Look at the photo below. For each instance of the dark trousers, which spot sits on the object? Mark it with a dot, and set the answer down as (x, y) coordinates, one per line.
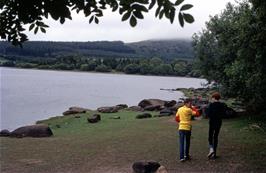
(214, 129)
(184, 143)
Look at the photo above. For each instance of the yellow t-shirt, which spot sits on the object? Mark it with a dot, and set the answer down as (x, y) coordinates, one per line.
(185, 114)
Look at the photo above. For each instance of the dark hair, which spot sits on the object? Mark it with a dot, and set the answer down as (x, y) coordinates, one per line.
(187, 100)
(216, 96)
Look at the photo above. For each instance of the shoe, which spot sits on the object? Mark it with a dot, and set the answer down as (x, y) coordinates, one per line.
(182, 160)
(211, 153)
(188, 157)
(214, 156)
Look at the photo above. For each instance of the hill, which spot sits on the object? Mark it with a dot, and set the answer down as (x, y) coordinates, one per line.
(181, 49)
(152, 48)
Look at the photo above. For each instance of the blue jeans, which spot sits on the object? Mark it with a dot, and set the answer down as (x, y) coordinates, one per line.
(184, 143)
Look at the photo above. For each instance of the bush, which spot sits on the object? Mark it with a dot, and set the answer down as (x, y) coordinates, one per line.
(62, 66)
(103, 68)
(8, 64)
(131, 69)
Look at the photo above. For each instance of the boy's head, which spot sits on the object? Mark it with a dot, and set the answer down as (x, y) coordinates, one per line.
(216, 96)
(188, 102)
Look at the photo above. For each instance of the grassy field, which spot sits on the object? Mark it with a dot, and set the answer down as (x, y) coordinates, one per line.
(112, 146)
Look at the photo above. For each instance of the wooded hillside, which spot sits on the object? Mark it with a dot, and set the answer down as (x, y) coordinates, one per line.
(169, 49)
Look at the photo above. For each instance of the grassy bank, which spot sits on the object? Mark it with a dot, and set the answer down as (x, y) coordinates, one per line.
(114, 145)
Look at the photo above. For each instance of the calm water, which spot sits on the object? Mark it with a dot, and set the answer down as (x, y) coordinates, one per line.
(31, 95)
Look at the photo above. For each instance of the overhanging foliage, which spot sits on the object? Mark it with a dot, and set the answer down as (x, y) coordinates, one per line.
(15, 14)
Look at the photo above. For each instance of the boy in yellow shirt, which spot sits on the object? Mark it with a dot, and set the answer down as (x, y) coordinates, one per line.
(184, 115)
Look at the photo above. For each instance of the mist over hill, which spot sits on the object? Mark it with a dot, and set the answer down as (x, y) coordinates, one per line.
(165, 49)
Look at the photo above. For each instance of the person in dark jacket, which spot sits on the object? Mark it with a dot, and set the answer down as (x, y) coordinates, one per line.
(216, 111)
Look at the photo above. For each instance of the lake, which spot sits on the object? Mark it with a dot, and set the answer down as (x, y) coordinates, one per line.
(30, 95)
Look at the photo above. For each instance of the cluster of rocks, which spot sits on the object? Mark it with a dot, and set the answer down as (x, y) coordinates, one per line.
(38, 130)
(165, 108)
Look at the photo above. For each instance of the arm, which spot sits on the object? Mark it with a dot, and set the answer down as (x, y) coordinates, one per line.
(195, 111)
(177, 119)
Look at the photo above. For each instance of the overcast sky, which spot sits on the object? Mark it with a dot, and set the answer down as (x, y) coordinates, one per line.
(111, 28)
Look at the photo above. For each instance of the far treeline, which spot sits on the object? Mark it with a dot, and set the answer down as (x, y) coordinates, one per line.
(169, 57)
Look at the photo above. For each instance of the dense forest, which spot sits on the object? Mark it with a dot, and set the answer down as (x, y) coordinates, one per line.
(170, 49)
(155, 57)
(232, 52)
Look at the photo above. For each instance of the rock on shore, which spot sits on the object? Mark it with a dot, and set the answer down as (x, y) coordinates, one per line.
(39, 130)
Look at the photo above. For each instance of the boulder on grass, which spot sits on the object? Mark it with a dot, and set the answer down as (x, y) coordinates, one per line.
(75, 110)
(230, 113)
(170, 103)
(94, 118)
(166, 112)
(153, 108)
(176, 106)
(145, 167)
(39, 130)
(110, 109)
(135, 108)
(144, 115)
(152, 102)
(122, 106)
(4, 133)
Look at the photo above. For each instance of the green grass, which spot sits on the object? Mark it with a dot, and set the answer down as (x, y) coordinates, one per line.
(114, 145)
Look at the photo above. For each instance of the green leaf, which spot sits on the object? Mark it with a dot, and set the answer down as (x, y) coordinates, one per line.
(158, 11)
(142, 1)
(36, 30)
(99, 14)
(172, 15)
(62, 20)
(133, 21)
(46, 26)
(96, 20)
(161, 14)
(46, 15)
(43, 30)
(139, 7)
(121, 11)
(181, 20)
(126, 16)
(91, 19)
(186, 7)
(178, 2)
(87, 10)
(138, 14)
(167, 15)
(188, 18)
(38, 23)
(31, 26)
(114, 7)
(152, 4)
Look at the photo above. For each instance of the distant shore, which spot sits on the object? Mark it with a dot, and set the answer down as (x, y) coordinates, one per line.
(94, 72)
